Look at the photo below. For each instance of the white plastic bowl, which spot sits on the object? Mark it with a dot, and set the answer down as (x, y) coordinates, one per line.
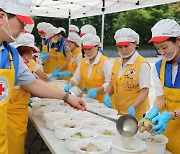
(60, 128)
(157, 148)
(51, 117)
(70, 137)
(90, 100)
(35, 108)
(82, 115)
(105, 147)
(127, 146)
(106, 133)
(107, 112)
(94, 123)
(95, 106)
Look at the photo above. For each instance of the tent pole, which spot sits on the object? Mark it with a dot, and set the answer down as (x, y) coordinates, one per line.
(102, 28)
(69, 19)
(102, 31)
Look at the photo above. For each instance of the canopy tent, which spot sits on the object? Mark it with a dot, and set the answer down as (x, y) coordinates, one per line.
(74, 9)
(82, 8)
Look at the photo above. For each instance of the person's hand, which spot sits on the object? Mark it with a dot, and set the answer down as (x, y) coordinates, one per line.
(107, 100)
(68, 87)
(83, 89)
(92, 93)
(131, 110)
(161, 120)
(43, 56)
(152, 113)
(76, 102)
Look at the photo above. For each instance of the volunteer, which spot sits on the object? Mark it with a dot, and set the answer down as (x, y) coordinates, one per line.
(63, 53)
(13, 17)
(73, 29)
(166, 79)
(74, 45)
(46, 44)
(25, 44)
(89, 29)
(130, 77)
(94, 70)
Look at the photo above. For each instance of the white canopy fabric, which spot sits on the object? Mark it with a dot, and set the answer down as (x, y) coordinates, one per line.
(74, 9)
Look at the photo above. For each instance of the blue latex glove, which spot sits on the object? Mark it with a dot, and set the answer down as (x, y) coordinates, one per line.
(107, 100)
(161, 120)
(43, 56)
(152, 113)
(131, 110)
(83, 89)
(55, 70)
(92, 93)
(61, 74)
(30, 102)
(68, 87)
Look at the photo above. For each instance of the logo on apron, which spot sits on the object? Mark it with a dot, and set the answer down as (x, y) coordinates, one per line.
(131, 72)
(4, 89)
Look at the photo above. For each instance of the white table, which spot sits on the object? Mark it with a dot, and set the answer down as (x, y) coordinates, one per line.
(55, 145)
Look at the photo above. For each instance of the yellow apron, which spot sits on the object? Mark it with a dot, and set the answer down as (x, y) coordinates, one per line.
(172, 96)
(96, 79)
(52, 60)
(32, 64)
(126, 88)
(6, 87)
(17, 110)
(47, 63)
(72, 65)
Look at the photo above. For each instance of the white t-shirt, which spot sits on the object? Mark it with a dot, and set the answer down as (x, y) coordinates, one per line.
(144, 78)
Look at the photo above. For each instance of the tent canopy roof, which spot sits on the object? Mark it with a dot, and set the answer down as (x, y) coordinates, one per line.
(83, 8)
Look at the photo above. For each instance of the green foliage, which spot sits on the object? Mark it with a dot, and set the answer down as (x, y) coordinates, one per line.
(140, 20)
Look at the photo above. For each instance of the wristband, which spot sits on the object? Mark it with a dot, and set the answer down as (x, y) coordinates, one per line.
(66, 96)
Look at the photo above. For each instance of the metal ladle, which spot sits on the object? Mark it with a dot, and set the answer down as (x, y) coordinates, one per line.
(126, 125)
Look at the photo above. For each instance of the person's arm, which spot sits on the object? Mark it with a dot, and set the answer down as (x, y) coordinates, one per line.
(42, 75)
(143, 94)
(107, 75)
(144, 80)
(42, 89)
(68, 59)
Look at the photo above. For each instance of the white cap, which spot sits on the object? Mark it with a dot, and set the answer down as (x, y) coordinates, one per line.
(60, 29)
(87, 29)
(51, 31)
(164, 29)
(74, 37)
(73, 28)
(20, 8)
(29, 28)
(125, 36)
(89, 41)
(25, 39)
(40, 25)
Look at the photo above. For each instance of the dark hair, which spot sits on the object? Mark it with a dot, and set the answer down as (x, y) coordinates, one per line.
(9, 15)
(172, 39)
(24, 49)
(62, 33)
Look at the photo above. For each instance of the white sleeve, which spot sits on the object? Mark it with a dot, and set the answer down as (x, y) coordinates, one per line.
(37, 67)
(157, 82)
(76, 76)
(107, 73)
(78, 59)
(144, 76)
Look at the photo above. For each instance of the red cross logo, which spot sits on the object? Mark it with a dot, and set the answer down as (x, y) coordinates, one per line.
(132, 72)
(1, 89)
